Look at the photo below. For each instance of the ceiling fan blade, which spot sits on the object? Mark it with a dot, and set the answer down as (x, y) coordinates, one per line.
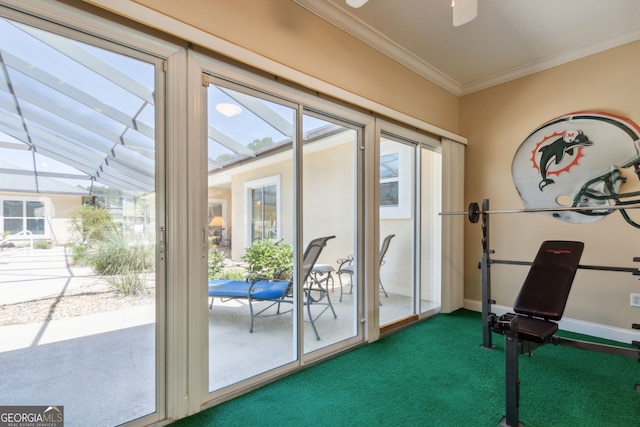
(464, 11)
(356, 3)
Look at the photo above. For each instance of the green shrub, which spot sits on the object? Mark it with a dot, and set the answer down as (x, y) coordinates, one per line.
(232, 274)
(121, 264)
(128, 283)
(79, 254)
(89, 223)
(42, 244)
(269, 259)
(215, 263)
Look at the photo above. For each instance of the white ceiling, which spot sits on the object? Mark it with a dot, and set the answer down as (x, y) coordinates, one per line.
(507, 40)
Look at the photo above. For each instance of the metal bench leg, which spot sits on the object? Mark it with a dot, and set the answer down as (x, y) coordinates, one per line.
(512, 381)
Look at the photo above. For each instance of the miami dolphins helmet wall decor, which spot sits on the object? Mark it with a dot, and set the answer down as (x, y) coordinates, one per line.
(584, 159)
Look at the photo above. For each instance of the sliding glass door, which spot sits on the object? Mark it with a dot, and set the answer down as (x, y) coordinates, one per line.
(250, 139)
(430, 229)
(79, 213)
(282, 213)
(397, 224)
(409, 226)
(330, 207)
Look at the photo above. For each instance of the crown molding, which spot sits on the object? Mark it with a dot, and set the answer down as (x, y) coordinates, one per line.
(352, 25)
(554, 60)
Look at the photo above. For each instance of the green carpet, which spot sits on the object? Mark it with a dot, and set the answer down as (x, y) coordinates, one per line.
(436, 374)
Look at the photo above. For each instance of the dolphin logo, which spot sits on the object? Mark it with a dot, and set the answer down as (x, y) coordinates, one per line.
(554, 153)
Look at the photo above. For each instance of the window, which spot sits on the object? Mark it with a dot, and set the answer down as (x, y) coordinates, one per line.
(263, 209)
(396, 186)
(23, 215)
(389, 180)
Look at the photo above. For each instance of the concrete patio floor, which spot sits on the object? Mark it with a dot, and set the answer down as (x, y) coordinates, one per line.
(99, 366)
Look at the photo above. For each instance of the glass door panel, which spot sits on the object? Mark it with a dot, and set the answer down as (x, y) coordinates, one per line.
(329, 189)
(430, 229)
(397, 219)
(250, 141)
(78, 272)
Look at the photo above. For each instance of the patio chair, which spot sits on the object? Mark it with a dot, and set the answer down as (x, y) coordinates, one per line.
(279, 290)
(348, 266)
(316, 290)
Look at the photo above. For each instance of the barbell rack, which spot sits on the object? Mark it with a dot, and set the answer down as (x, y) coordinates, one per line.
(474, 213)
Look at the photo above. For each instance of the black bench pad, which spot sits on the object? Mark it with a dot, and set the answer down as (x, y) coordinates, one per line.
(536, 330)
(546, 289)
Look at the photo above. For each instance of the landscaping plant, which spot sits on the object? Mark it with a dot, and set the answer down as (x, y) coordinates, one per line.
(269, 259)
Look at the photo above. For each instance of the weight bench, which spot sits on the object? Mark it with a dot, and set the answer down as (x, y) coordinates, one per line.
(539, 304)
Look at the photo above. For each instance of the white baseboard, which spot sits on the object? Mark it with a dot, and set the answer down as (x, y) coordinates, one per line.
(571, 325)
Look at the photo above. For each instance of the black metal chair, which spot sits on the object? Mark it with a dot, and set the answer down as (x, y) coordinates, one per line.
(316, 291)
(348, 266)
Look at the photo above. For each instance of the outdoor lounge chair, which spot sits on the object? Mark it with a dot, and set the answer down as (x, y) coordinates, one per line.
(348, 266)
(316, 291)
(279, 291)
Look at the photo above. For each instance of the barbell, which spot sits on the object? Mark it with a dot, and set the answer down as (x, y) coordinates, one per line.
(474, 211)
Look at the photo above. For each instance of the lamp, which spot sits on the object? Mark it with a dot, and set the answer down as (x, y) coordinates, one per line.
(217, 221)
(217, 224)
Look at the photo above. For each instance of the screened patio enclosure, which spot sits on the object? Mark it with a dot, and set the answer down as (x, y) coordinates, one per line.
(75, 120)
(77, 127)
(73, 112)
